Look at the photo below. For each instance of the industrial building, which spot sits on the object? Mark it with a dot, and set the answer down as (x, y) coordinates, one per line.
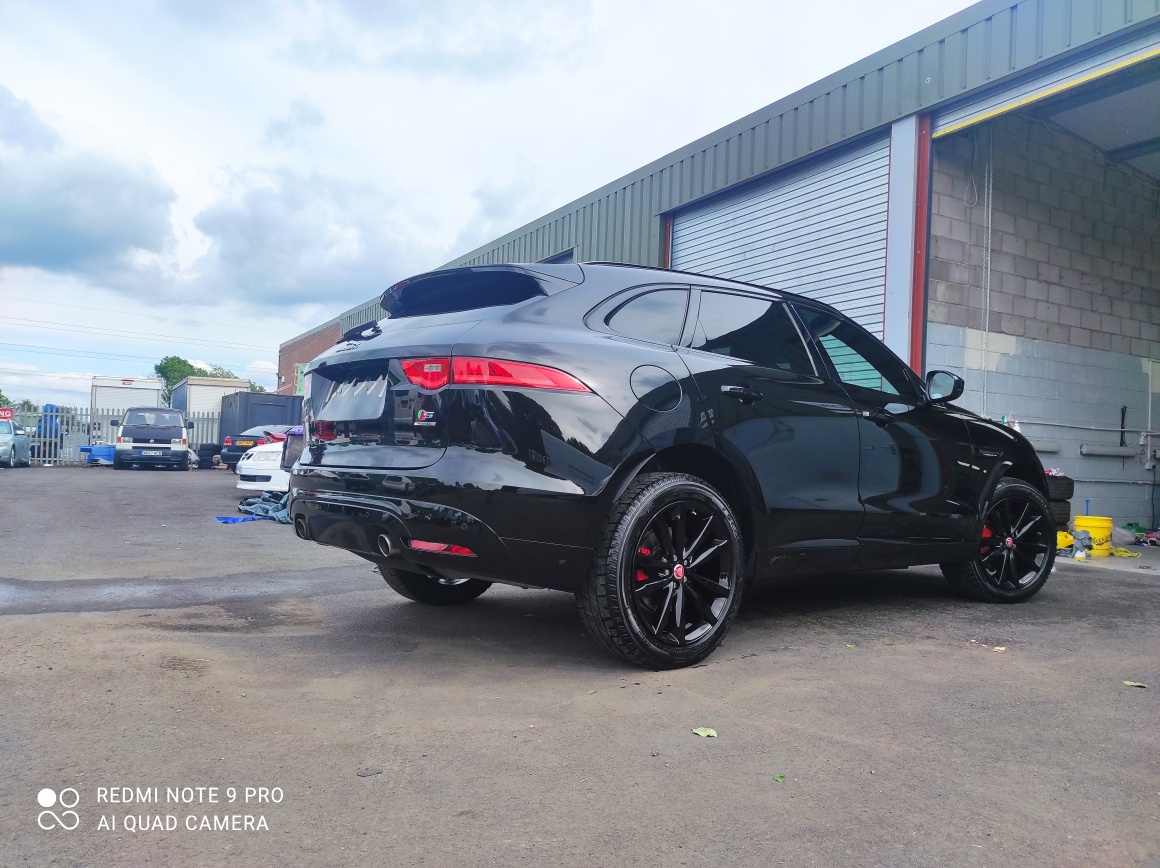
(983, 195)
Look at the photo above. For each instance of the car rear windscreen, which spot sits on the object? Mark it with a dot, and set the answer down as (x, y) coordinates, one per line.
(455, 292)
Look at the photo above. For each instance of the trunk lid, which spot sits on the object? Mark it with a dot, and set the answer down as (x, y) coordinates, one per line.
(360, 408)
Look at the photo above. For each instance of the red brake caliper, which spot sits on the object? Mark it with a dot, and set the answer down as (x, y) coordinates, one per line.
(640, 574)
(986, 536)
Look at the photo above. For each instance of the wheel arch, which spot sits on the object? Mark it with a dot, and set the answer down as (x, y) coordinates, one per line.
(1029, 471)
(707, 464)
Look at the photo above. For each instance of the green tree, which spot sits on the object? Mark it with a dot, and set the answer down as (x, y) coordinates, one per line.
(174, 369)
(254, 387)
(4, 402)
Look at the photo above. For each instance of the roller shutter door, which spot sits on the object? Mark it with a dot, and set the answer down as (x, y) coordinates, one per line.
(819, 232)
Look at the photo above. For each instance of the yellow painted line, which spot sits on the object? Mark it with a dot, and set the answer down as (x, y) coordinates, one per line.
(1050, 92)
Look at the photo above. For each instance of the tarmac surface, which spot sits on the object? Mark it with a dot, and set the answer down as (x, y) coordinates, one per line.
(868, 719)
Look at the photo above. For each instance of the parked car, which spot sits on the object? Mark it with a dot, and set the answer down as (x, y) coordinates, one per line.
(650, 441)
(152, 437)
(15, 444)
(260, 469)
(234, 446)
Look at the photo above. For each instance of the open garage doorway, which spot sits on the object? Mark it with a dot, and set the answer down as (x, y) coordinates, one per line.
(1044, 275)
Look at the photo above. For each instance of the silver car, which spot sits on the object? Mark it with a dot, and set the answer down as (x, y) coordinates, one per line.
(14, 445)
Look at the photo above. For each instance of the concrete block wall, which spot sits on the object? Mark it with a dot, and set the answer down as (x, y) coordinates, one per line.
(1061, 397)
(301, 350)
(1075, 240)
(1074, 296)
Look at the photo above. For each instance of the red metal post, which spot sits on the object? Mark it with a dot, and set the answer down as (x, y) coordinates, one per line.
(921, 245)
(667, 241)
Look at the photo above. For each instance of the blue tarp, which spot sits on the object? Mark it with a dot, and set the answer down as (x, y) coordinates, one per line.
(270, 505)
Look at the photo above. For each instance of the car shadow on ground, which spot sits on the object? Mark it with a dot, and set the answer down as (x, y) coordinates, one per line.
(541, 628)
(824, 592)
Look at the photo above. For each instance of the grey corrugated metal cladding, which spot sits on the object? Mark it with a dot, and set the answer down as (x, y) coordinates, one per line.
(967, 52)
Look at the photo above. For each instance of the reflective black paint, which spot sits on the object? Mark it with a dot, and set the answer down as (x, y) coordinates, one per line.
(526, 478)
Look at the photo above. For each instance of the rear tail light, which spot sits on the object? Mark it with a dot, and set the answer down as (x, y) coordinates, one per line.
(497, 372)
(323, 431)
(441, 548)
(261, 441)
(229, 441)
(437, 373)
(428, 373)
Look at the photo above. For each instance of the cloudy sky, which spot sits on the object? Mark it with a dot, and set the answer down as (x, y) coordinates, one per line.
(210, 178)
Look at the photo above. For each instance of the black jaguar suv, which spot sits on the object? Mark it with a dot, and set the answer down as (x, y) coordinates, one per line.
(650, 441)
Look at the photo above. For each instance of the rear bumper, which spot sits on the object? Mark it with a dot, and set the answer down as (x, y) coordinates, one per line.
(137, 455)
(233, 454)
(537, 539)
(249, 481)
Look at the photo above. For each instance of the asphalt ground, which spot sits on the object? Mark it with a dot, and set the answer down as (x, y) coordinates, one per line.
(871, 719)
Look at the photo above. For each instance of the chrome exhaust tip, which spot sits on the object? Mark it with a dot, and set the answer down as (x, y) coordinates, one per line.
(386, 545)
(300, 529)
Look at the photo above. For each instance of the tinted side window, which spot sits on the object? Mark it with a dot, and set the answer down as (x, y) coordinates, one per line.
(860, 360)
(655, 316)
(753, 329)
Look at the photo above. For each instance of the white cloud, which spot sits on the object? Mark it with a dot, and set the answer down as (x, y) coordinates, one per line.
(303, 117)
(484, 39)
(283, 238)
(210, 178)
(66, 388)
(80, 213)
(22, 127)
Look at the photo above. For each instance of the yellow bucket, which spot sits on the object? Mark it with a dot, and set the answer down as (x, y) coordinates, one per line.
(1100, 527)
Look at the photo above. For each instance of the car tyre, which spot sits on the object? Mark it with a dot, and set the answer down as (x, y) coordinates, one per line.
(1016, 548)
(1060, 488)
(431, 591)
(667, 578)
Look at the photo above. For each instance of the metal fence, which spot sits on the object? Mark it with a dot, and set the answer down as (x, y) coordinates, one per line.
(58, 435)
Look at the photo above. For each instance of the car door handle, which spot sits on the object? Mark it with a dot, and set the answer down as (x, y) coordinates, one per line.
(878, 416)
(744, 394)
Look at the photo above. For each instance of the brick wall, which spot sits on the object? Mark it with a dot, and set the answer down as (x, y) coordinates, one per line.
(1075, 240)
(1075, 298)
(303, 350)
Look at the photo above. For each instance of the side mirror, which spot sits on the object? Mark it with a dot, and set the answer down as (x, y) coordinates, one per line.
(189, 425)
(114, 423)
(943, 386)
(18, 431)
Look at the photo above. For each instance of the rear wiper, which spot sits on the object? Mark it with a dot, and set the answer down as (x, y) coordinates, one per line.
(363, 332)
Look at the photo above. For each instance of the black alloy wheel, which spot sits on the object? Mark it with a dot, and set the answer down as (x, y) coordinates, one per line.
(667, 579)
(1016, 548)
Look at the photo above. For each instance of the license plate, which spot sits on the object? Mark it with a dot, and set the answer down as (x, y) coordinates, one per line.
(244, 442)
(151, 452)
